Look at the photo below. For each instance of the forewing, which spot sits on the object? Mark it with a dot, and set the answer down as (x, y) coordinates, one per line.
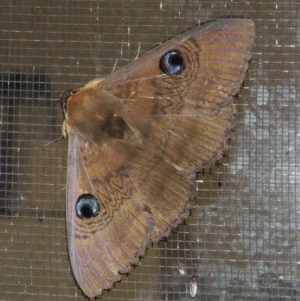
(187, 117)
(215, 59)
(103, 246)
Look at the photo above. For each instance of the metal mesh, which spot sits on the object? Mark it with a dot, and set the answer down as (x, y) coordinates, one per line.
(241, 240)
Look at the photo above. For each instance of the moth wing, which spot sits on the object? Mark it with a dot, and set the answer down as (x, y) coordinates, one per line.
(185, 120)
(215, 58)
(187, 116)
(102, 247)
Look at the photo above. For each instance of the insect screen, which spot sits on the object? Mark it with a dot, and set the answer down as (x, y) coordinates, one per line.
(240, 241)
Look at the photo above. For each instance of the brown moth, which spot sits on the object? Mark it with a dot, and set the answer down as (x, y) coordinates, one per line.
(137, 139)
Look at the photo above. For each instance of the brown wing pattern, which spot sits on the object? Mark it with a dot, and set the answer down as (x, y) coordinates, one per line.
(102, 247)
(136, 139)
(216, 58)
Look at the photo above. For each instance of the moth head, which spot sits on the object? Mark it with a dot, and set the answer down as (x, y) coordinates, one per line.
(64, 97)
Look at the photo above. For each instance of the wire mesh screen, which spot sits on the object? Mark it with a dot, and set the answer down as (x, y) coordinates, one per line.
(241, 239)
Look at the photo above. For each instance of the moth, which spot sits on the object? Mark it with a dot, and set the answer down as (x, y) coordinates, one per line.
(136, 140)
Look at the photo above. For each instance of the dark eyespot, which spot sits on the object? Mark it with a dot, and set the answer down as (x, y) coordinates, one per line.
(87, 206)
(172, 62)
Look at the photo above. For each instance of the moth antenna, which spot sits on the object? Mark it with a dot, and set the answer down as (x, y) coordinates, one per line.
(54, 141)
(115, 65)
(136, 57)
